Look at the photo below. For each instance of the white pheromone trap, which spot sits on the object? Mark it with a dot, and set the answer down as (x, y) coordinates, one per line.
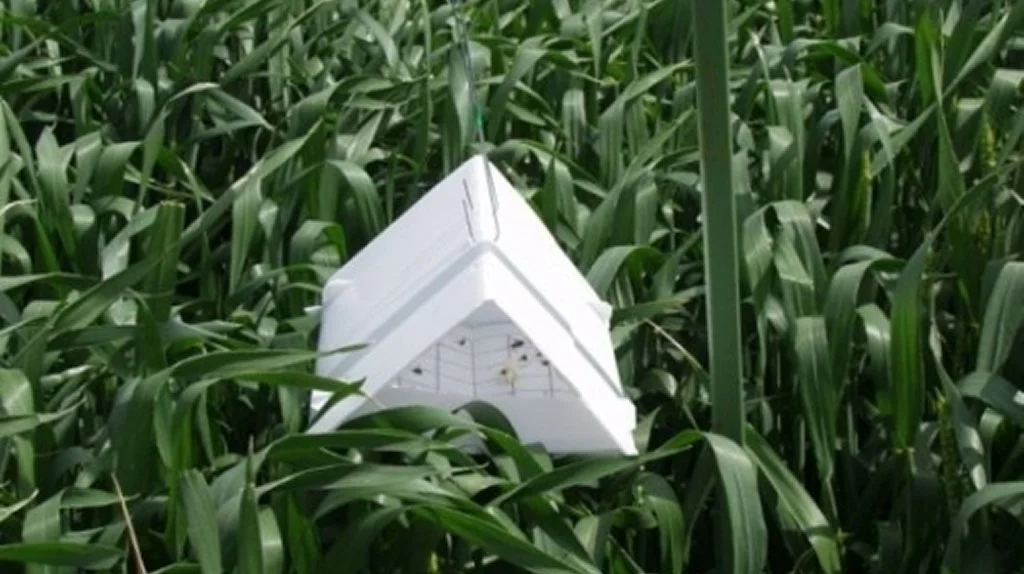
(467, 297)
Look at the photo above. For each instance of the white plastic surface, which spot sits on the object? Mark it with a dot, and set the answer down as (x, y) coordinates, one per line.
(463, 298)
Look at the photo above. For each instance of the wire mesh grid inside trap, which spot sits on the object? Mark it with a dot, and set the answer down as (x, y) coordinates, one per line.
(485, 361)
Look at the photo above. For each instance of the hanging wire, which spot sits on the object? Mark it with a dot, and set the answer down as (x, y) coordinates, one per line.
(462, 30)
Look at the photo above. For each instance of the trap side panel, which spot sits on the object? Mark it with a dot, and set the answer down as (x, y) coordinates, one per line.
(397, 342)
(484, 357)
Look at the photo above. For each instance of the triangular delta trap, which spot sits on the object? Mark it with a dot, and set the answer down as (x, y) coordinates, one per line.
(467, 297)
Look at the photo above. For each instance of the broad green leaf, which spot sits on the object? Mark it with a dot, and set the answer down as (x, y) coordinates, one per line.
(359, 184)
(485, 531)
(795, 501)
(267, 165)
(748, 537)
(252, 362)
(527, 55)
(660, 496)
(996, 392)
(94, 302)
(54, 198)
(201, 515)
(1004, 316)
(8, 511)
(108, 177)
(250, 543)
(353, 546)
(244, 224)
(977, 501)
(587, 471)
(135, 458)
(841, 304)
(992, 43)
(850, 96)
(17, 398)
(42, 526)
(271, 545)
(907, 392)
(970, 445)
(906, 384)
(83, 556)
(261, 53)
(721, 233)
(609, 264)
(19, 424)
(819, 393)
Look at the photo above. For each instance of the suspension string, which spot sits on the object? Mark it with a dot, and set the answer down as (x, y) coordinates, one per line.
(462, 27)
(461, 21)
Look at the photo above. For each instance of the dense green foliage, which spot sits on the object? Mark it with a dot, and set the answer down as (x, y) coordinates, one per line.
(178, 178)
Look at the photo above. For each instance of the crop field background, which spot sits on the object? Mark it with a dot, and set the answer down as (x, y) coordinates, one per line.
(179, 177)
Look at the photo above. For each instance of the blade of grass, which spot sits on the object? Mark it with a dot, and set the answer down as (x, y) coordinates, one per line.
(721, 254)
(202, 521)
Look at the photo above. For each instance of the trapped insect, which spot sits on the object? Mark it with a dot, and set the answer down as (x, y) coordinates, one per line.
(509, 372)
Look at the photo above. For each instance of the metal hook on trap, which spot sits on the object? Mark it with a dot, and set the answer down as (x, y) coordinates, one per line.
(467, 201)
(468, 206)
(494, 198)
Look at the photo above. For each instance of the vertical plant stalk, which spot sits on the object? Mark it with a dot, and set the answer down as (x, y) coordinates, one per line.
(721, 253)
(721, 268)
(133, 540)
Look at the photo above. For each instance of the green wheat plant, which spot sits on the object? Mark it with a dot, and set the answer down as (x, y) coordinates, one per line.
(808, 216)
